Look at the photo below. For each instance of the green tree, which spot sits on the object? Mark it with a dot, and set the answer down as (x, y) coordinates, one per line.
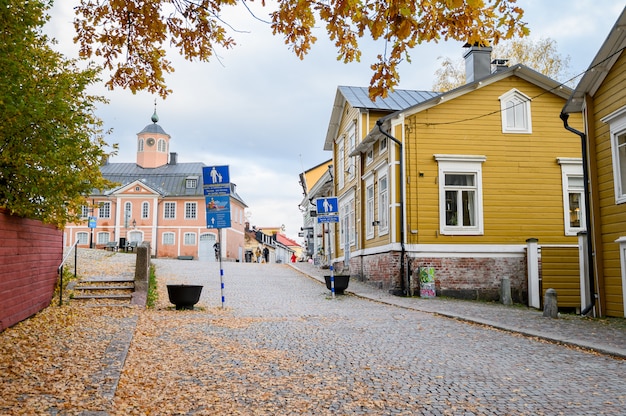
(541, 55)
(51, 144)
(129, 35)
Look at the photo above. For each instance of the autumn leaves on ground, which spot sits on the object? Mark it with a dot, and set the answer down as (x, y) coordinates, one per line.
(179, 362)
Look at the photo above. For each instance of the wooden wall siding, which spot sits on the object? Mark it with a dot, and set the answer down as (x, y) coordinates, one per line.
(522, 190)
(560, 271)
(610, 97)
(29, 256)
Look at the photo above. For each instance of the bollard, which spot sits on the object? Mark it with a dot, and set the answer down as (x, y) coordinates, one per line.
(505, 291)
(550, 307)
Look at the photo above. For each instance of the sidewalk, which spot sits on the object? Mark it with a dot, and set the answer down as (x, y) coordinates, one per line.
(606, 336)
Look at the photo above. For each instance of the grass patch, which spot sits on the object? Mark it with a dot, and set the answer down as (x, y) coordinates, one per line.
(153, 294)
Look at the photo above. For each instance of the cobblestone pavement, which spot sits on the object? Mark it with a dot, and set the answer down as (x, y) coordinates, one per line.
(401, 356)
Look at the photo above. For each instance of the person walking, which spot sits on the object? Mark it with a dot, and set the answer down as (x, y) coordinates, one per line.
(266, 254)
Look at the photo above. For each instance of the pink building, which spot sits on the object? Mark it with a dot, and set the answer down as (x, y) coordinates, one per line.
(160, 201)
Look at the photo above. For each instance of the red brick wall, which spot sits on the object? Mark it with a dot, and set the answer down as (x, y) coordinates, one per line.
(30, 253)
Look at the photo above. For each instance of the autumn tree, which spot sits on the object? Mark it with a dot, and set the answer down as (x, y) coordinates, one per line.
(541, 55)
(130, 36)
(50, 141)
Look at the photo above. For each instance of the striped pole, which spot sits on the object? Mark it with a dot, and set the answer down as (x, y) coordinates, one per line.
(332, 281)
(219, 236)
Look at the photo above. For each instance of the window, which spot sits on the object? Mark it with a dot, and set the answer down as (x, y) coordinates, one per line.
(382, 148)
(189, 239)
(383, 204)
(341, 166)
(82, 238)
(104, 210)
(145, 210)
(617, 124)
(128, 209)
(169, 210)
(168, 239)
(573, 194)
(103, 238)
(515, 112)
(162, 146)
(140, 145)
(190, 210)
(369, 209)
(84, 211)
(460, 194)
(191, 183)
(347, 229)
(369, 157)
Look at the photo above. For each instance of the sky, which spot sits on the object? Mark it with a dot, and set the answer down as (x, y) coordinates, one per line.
(264, 112)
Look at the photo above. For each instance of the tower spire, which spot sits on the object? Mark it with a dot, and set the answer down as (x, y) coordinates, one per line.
(154, 117)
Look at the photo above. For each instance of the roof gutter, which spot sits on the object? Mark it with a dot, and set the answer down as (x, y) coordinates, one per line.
(404, 285)
(590, 261)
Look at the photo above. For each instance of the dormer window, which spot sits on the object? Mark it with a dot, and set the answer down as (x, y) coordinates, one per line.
(515, 112)
(191, 182)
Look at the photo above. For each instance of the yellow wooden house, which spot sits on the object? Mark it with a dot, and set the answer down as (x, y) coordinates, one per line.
(458, 182)
(601, 98)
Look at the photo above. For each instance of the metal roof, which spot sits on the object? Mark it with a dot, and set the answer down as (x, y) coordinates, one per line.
(358, 97)
(168, 180)
(153, 128)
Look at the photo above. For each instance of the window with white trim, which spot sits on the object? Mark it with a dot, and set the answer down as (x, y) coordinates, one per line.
(383, 203)
(82, 238)
(140, 145)
(573, 194)
(369, 157)
(103, 237)
(168, 239)
(104, 210)
(369, 208)
(145, 210)
(189, 239)
(347, 229)
(383, 145)
(617, 125)
(460, 194)
(169, 210)
(515, 112)
(341, 164)
(191, 183)
(191, 210)
(162, 146)
(128, 209)
(84, 211)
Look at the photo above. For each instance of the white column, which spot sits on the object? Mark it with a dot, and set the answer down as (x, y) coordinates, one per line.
(532, 258)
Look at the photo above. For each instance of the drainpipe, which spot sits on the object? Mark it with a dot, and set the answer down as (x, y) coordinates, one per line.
(590, 261)
(404, 285)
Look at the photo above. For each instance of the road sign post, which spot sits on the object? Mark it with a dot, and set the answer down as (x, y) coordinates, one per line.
(327, 213)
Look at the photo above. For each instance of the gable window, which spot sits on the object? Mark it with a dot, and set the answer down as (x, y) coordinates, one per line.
(383, 203)
(169, 210)
(145, 210)
(82, 238)
(573, 194)
(617, 124)
(191, 210)
(168, 239)
(515, 112)
(460, 194)
(369, 208)
(104, 210)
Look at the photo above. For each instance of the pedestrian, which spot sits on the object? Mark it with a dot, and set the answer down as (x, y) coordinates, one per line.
(266, 254)
(258, 255)
(293, 257)
(216, 247)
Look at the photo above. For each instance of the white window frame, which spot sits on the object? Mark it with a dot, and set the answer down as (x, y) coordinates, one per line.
(369, 207)
(341, 164)
(369, 157)
(103, 237)
(189, 239)
(461, 164)
(84, 211)
(572, 168)
(128, 212)
(382, 180)
(347, 218)
(382, 147)
(191, 183)
(140, 145)
(515, 104)
(82, 237)
(104, 210)
(191, 210)
(162, 146)
(617, 126)
(145, 210)
(169, 210)
(168, 238)
(622, 257)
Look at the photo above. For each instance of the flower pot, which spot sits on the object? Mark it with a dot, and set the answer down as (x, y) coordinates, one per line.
(184, 296)
(341, 282)
(427, 290)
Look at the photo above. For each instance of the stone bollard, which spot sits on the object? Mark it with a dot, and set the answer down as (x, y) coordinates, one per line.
(142, 273)
(505, 291)
(550, 306)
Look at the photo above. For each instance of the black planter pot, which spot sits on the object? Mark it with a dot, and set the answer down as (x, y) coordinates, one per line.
(341, 282)
(184, 296)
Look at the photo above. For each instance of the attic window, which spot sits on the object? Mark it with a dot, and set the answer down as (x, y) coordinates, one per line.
(515, 112)
(137, 189)
(191, 183)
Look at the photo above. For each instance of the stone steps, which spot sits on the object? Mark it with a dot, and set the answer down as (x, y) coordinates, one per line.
(103, 291)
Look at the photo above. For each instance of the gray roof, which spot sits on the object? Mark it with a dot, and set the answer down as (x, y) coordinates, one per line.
(167, 180)
(153, 128)
(358, 97)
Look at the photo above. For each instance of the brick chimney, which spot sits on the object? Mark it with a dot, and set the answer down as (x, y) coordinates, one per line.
(477, 62)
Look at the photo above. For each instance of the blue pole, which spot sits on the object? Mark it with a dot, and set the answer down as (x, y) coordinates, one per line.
(219, 235)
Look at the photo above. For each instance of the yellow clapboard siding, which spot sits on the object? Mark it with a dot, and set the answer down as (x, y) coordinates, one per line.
(560, 271)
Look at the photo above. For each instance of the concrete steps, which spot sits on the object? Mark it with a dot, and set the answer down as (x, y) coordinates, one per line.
(103, 291)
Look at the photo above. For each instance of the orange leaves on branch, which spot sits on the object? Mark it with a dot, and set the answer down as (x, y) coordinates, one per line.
(130, 34)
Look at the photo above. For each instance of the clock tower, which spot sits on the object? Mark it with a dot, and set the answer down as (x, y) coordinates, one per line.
(153, 145)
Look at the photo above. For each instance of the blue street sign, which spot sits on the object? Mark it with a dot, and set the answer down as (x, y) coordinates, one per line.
(92, 222)
(216, 185)
(327, 218)
(327, 206)
(216, 176)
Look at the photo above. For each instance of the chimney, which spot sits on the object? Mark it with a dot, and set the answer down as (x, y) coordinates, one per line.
(477, 62)
(173, 158)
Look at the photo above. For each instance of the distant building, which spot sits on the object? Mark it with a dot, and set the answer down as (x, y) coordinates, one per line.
(160, 201)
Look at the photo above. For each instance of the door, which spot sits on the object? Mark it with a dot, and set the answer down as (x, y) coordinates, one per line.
(206, 251)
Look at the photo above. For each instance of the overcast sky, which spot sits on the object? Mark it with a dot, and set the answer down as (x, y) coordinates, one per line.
(264, 113)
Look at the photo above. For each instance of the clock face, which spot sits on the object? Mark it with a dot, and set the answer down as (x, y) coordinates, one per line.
(150, 141)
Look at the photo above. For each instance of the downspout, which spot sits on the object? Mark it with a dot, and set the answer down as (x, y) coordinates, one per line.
(590, 261)
(403, 286)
